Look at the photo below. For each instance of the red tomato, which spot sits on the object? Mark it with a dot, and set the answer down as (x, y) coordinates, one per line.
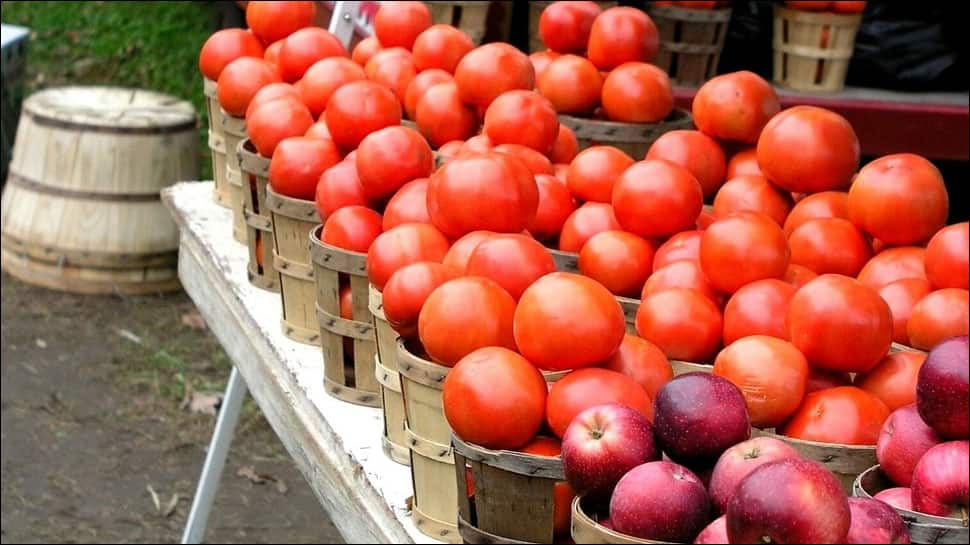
(365, 50)
(830, 245)
(901, 296)
(271, 92)
(225, 46)
(402, 246)
(536, 162)
(594, 170)
(893, 264)
(391, 157)
(272, 54)
(684, 323)
(798, 276)
(305, 47)
(827, 204)
(540, 61)
(700, 154)
(441, 46)
(752, 193)
(847, 6)
(681, 274)
(358, 109)
(809, 6)
(588, 220)
(642, 361)
(845, 415)
(319, 130)
(441, 117)
(451, 149)
(560, 170)
(297, 164)
(240, 80)
(587, 388)
(805, 149)
(893, 380)
(555, 206)
(338, 187)
(490, 70)
(947, 257)
(398, 24)
(408, 289)
(758, 309)
(522, 117)
(479, 143)
(273, 21)
(735, 107)
(637, 92)
(463, 315)
(840, 324)
(352, 228)
(566, 147)
(744, 163)
(513, 261)
(565, 26)
(657, 199)
(568, 321)
(683, 246)
(391, 54)
(562, 493)
(938, 316)
(495, 385)
(394, 72)
(619, 260)
(421, 83)
(459, 253)
(572, 84)
(272, 122)
(408, 205)
(741, 249)
(622, 34)
(323, 78)
(823, 380)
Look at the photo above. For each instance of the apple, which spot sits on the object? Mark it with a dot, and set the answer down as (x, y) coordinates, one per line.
(902, 442)
(941, 481)
(943, 389)
(602, 444)
(660, 501)
(716, 532)
(739, 461)
(900, 497)
(697, 416)
(789, 501)
(875, 522)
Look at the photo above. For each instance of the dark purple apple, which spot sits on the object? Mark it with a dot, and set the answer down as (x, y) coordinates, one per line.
(716, 532)
(875, 522)
(900, 497)
(941, 481)
(740, 460)
(697, 416)
(789, 501)
(943, 389)
(902, 442)
(602, 444)
(660, 501)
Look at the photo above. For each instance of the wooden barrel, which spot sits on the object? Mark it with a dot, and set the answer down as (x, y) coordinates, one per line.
(812, 50)
(217, 141)
(535, 12)
(632, 138)
(922, 528)
(587, 529)
(234, 132)
(469, 17)
(81, 208)
(395, 439)
(846, 461)
(349, 345)
(691, 41)
(293, 221)
(259, 221)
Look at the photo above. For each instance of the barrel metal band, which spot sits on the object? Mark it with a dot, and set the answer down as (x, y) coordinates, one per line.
(46, 121)
(41, 187)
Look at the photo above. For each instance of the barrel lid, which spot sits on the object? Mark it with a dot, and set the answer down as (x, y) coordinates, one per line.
(113, 109)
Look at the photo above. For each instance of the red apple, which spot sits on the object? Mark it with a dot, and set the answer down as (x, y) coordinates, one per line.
(716, 532)
(789, 501)
(941, 481)
(900, 497)
(660, 501)
(697, 416)
(875, 522)
(902, 442)
(602, 444)
(739, 461)
(943, 389)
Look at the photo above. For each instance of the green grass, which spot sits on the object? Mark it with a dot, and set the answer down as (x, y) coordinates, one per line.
(150, 45)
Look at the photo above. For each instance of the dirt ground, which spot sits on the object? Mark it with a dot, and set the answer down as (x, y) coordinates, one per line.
(96, 417)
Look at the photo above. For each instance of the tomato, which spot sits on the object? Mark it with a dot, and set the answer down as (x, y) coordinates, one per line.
(810, 5)
(901, 185)
(391, 157)
(540, 61)
(555, 206)
(593, 171)
(352, 228)
(847, 6)
(513, 261)
(805, 149)
(657, 199)
(272, 53)
(798, 276)
(744, 162)
(490, 70)
(823, 380)
(560, 170)
(493, 192)
(622, 34)
(568, 321)
(365, 50)
(637, 92)
(840, 324)
(358, 109)
(938, 316)
(642, 361)
(893, 380)
(479, 143)
(565, 26)
(741, 249)
(421, 83)
(325, 77)
(536, 162)
(901, 296)
(685, 245)
(408, 205)
(272, 122)
(297, 164)
(440, 47)
(893, 264)
(562, 493)
(619, 260)
(771, 374)
(700, 154)
(398, 24)
(402, 246)
(240, 80)
(588, 220)
(565, 148)
(830, 245)
(572, 84)
(406, 291)
(225, 46)
(319, 130)
(752, 193)
(685, 273)
(845, 415)
(522, 117)
(463, 315)
(304, 48)
(273, 21)
(451, 149)
(338, 187)
(441, 117)
(684, 323)
(947, 257)
(272, 92)
(395, 73)
(460, 252)
(758, 309)
(587, 388)
(735, 107)
(389, 55)
(827, 204)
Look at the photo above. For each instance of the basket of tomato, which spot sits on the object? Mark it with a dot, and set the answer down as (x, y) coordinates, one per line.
(813, 43)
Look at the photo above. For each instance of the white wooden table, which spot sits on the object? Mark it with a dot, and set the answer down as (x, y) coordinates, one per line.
(336, 445)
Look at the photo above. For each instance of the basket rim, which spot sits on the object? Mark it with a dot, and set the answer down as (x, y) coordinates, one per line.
(909, 516)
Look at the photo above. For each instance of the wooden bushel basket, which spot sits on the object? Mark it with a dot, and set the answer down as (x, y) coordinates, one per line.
(846, 461)
(217, 141)
(395, 440)
(259, 222)
(349, 346)
(632, 138)
(922, 528)
(293, 221)
(587, 529)
(469, 17)
(813, 49)
(234, 132)
(691, 41)
(684, 367)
